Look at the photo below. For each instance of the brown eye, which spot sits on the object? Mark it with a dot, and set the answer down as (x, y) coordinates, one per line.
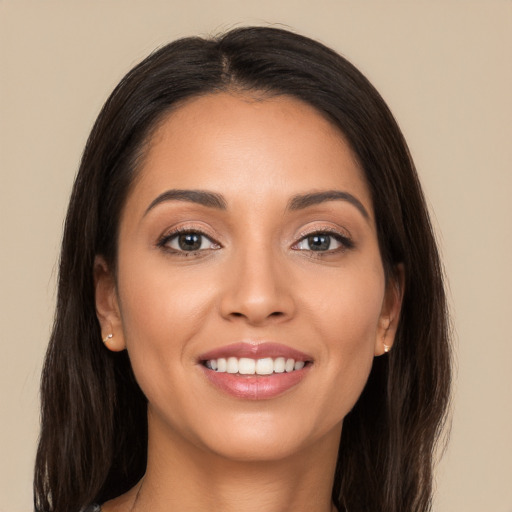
(323, 242)
(319, 242)
(188, 241)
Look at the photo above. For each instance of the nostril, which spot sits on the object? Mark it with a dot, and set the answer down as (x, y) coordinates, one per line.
(274, 315)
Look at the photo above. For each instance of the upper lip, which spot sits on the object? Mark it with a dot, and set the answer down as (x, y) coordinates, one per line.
(255, 351)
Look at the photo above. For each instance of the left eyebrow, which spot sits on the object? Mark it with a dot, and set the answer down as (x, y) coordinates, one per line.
(301, 201)
(202, 197)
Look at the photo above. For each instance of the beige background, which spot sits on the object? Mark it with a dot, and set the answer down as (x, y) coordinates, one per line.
(445, 68)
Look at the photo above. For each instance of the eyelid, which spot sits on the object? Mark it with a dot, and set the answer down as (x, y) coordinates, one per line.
(171, 233)
(342, 236)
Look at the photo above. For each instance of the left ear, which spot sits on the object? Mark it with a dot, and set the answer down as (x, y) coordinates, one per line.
(107, 306)
(390, 313)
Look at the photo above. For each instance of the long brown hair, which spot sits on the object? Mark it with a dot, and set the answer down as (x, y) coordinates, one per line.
(93, 442)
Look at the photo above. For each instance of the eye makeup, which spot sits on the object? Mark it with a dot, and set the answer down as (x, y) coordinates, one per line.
(186, 241)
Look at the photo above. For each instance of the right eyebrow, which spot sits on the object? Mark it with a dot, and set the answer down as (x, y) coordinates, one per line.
(202, 197)
(302, 201)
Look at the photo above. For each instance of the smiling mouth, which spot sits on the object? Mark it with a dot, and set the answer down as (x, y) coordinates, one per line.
(249, 366)
(255, 371)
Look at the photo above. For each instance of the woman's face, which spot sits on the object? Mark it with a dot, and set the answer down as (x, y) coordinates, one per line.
(248, 240)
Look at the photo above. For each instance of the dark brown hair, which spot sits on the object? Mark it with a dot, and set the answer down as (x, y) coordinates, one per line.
(93, 441)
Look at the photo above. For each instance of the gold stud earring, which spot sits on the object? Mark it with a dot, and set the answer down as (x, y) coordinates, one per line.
(107, 338)
(387, 348)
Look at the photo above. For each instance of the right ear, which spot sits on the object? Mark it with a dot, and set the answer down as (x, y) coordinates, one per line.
(107, 306)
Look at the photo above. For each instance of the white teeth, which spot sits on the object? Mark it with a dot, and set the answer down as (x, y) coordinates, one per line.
(265, 366)
(279, 364)
(299, 365)
(232, 365)
(289, 365)
(248, 366)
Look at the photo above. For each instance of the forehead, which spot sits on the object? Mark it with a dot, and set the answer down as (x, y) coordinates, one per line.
(240, 145)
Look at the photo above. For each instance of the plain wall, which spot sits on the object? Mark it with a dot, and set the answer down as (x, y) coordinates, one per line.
(445, 69)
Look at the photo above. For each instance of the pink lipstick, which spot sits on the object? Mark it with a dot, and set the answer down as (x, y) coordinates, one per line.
(255, 371)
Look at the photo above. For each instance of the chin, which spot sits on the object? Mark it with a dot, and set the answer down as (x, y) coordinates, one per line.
(245, 448)
(266, 437)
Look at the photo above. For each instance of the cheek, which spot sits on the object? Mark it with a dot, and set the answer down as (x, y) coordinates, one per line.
(345, 315)
(346, 306)
(158, 303)
(161, 312)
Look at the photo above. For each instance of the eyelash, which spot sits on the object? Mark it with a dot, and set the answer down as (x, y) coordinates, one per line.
(346, 242)
(165, 239)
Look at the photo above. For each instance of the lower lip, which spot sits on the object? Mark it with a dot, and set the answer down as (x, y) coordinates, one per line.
(255, 387)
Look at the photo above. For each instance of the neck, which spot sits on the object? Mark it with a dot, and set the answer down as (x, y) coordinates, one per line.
(182, 476)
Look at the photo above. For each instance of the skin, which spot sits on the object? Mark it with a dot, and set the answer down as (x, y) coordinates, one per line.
(255, 279)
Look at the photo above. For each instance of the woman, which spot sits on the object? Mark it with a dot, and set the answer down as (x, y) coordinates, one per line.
(248, 237)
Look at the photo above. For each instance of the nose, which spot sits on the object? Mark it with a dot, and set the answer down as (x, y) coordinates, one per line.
(257, 289)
